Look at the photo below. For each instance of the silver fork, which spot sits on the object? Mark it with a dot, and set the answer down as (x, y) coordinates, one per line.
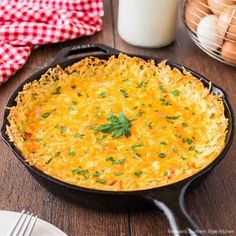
(24, 225)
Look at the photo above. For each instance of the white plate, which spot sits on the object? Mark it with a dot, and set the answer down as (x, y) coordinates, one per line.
(42, 228)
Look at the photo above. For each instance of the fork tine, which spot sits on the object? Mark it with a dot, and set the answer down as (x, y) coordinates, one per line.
(26, 225)
(30, 229)
(21, 224)
(16, 224)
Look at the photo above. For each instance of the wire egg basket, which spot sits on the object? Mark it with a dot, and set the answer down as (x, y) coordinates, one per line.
(212, 26)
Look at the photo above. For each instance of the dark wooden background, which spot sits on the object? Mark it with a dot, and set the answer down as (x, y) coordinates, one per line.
(212, 205)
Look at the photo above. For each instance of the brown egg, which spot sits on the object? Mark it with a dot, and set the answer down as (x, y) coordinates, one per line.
(228, 52)
(195, 11)
(217, 6)
(227, 23)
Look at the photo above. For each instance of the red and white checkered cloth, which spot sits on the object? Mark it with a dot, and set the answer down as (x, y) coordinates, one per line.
(26, 23)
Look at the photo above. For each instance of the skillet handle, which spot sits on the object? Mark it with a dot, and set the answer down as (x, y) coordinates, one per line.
(84, 48)
(173, 205)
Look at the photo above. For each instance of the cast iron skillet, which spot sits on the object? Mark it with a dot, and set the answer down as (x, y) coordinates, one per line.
(169, 198)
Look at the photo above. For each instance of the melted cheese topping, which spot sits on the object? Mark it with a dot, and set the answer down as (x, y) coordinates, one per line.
(177, 126)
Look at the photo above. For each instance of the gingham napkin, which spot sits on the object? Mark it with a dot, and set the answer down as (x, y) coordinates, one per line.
(27, 23)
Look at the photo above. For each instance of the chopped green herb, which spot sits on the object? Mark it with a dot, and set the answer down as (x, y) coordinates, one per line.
(79, 135)
(102, 94)
(74, 103)
(71, 153)
(177, 135)
(193, 113)
(165, 173)
(163, 143)
(96, 174)
(79, 94)
(184, 125)
(62, 129)
(165, 102)
(58, 90)
(46, 115)
(118, 173)
(71, 109)
(162, 155)
(172, 117)
(175, 92)
(48, 161)
(183, 158)
(119, 125)
(140, 113)
(138, 173)
(57, 154)
(191, 148)
(124, 92)
(189, 140)
(101, 181)
(99, 140)
(80, 172)
(119, 161)
(149, 124)
(142, 84)
(134, 149)
(161, 87)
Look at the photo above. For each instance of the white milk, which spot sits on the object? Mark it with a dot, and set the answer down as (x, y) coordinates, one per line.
(147, 23)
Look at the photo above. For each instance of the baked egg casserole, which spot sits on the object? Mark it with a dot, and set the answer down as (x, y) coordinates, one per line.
(120, 124)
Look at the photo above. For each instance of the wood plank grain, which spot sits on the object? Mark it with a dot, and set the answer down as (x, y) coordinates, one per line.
(212, 205)
(18, 190)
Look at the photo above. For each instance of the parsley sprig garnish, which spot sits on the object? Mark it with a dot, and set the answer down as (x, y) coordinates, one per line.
(119, 125)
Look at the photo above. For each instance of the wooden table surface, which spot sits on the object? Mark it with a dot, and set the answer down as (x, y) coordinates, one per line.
(212, 204)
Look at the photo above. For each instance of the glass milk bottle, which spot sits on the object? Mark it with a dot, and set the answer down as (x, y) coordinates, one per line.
(147, 23)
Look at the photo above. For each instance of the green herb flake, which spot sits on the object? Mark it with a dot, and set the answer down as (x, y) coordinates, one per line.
(58, 90)
(101, 181)
(134, 149)
(138, 173)
(102, 94)
(191, 148)
(71, 153)
(149, 124)
(184, 125)
(183, 158)
(162, 155)
(46, 115)
(79, 94)
(114, 162)
(161, 88)
(177, 135)
(165, 173)
(57, 154)
(189, 140)
(71, 109)
(163, 143)
(74, 103)
(118, 173)
(124, 92)
(78, 135)
(80, 172)
(172, 117)
(48, 161)
(62, 129)
(140, 113)
(175, 92)
(96, 174)
(142, 84)
(165, 102)
(119, 125)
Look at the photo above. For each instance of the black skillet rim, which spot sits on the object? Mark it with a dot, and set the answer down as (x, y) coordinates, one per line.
(181, 183)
